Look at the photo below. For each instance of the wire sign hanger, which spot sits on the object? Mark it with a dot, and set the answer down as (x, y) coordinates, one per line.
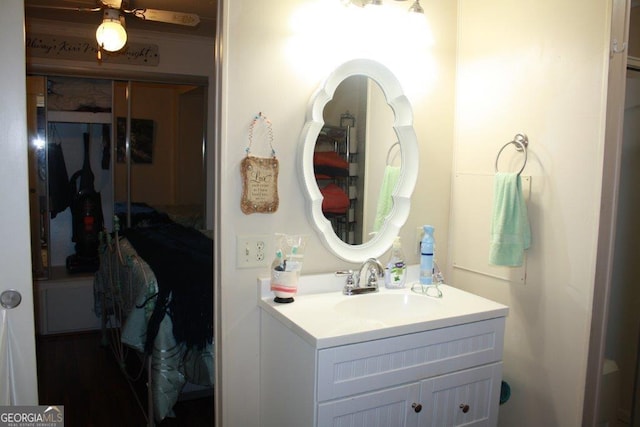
(259, 174)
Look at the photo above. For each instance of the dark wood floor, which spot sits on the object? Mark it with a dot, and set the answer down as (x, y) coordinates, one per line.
(75, 371)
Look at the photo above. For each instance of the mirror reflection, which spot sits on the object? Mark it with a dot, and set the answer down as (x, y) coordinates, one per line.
(356, 159)
(37, 152)
(167, 171)
(70, 132)
(375, 133)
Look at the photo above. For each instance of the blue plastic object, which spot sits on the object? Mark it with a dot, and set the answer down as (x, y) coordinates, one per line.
(505, 392)
(427, 245)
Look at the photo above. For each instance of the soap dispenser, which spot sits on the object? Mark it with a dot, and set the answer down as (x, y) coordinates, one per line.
(395, 273)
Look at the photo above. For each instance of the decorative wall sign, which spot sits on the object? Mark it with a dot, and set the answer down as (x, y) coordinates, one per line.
(84, 49)
(259, 175)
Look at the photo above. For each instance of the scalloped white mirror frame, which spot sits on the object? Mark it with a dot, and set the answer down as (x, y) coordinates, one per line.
(403, 127)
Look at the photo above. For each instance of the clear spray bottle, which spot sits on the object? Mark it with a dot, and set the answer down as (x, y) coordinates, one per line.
(395, 273)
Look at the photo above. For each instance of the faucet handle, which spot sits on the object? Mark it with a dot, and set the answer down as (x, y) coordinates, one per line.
(372, 277)
(349, 274)
(351, 282)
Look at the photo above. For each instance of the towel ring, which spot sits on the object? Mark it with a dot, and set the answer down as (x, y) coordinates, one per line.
(389, 158)
(521, 142)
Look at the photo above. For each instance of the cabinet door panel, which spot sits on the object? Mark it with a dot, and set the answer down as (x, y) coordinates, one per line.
(361, 367)
(465, 398)
(385, 408)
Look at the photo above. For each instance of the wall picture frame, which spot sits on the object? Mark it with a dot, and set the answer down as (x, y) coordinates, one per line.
(142, 136)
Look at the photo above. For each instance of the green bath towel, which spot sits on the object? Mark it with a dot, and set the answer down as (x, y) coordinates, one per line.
(510, 231)
(385, 201)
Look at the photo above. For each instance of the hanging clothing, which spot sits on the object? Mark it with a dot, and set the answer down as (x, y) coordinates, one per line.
(59, 194)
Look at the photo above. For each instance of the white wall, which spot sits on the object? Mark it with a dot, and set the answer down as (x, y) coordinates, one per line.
(274, 57)
(539, 68)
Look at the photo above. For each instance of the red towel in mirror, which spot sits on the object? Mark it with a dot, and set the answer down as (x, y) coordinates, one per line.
(335, 199)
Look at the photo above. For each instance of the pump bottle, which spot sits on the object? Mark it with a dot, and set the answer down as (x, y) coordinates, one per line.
(395, 273)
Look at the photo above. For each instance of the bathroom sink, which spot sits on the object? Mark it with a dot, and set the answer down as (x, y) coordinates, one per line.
(328, 319)
(386, 305)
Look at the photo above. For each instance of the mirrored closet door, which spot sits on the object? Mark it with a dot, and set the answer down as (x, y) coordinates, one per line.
(159, 165)
(144, 146)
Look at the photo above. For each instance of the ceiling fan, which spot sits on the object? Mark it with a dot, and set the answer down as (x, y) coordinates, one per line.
(111, 34)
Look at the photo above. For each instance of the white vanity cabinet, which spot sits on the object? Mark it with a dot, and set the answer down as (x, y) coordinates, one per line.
(467, 397)
(445, 376)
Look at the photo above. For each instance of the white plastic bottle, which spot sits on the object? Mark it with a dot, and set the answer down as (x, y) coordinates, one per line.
(395, 272)
(427, 248)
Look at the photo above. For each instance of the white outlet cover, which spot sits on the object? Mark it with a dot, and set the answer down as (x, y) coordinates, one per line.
(253, 251)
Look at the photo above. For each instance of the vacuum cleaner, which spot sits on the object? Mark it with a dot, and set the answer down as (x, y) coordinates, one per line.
(87, 217)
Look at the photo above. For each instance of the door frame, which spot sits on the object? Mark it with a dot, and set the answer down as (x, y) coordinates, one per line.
(608, 211)
(18, 324)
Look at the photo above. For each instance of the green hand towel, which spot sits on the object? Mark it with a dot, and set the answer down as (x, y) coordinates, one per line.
(510, 230)
(385, 201)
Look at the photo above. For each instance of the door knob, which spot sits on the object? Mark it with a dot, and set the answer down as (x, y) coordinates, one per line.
(417, 407)
(10, 299)
(464, 407)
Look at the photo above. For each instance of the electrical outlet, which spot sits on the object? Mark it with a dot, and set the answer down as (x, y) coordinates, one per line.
(253, 251)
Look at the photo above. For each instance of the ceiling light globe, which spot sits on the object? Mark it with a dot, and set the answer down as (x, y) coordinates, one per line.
(111, 35)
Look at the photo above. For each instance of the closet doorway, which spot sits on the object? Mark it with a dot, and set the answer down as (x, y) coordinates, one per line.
(615, 344)
(622, 363)
(147, 147)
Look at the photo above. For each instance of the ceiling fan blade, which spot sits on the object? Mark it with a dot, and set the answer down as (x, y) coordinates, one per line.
(180, 18)
(75, 9)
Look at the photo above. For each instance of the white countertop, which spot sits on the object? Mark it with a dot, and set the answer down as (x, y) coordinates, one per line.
(326, 320)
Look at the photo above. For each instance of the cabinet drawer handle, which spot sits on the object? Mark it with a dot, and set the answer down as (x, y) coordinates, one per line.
(464, 407)
(417, 407)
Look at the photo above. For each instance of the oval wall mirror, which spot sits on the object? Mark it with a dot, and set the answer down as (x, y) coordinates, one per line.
(356, 159)
(358, 147)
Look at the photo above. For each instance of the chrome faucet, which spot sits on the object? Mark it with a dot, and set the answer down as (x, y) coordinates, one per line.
(374, 270)
(371, 269)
